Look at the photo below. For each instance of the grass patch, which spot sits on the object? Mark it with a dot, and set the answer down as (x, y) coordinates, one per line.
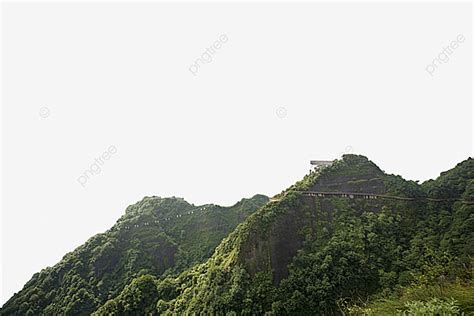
(453, 299)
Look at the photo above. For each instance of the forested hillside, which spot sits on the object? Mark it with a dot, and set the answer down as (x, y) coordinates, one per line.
(157, 236)
(330, 255)
(347, 239)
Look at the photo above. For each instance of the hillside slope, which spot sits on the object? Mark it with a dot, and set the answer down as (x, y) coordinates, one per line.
(158, 236)
(315, 253)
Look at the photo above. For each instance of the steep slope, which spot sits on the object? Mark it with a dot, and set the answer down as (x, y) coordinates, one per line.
(459, 220)
(343, 233)
(158, 236)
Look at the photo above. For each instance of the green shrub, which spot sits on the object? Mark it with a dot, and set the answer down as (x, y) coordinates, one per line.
(435, 306)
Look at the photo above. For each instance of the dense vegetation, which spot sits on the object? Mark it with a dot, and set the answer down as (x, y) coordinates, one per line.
(157, 236)
(329, 255)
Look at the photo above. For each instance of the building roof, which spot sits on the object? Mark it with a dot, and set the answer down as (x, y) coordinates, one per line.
(321, 162)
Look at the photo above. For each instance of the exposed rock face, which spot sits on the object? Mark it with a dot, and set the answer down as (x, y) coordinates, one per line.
(359, 175)
(273, 249)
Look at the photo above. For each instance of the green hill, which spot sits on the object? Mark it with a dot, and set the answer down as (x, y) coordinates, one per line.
(323, 255)
(347, 239)
(158, 236)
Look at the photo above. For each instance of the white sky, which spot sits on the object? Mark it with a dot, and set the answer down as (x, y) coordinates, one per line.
(347, 75)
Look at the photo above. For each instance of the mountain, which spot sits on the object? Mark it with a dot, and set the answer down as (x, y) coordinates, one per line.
(346, 239)
(157, 236)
